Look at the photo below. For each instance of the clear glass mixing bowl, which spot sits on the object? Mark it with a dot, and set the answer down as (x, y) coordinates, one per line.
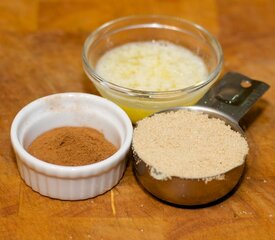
(139, 104)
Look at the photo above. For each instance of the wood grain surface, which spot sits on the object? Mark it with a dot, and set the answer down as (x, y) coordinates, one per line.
(40, 54)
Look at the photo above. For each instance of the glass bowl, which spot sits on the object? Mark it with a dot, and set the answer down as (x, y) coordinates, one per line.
(138, 103)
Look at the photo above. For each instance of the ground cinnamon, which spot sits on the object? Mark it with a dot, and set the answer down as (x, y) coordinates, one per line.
(71, 146)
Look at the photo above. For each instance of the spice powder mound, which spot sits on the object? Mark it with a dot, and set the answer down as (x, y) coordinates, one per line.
(188, 144)
(71, 146)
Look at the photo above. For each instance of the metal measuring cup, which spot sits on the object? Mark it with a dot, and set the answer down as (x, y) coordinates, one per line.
(229, 100)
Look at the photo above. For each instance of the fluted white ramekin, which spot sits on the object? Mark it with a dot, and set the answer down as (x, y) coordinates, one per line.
(71, 109)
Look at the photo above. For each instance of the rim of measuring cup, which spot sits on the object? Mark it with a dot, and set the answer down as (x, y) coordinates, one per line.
(90, 71)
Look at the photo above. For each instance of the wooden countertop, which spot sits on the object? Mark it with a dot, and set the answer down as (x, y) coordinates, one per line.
(40, 54)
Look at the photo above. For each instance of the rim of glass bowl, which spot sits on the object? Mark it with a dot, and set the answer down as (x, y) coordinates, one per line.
(144, 93)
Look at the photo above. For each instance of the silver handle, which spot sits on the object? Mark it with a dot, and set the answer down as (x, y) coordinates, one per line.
(234, 94)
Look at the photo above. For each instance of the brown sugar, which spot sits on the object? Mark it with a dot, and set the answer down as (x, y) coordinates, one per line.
(71, 146)
(188, 144)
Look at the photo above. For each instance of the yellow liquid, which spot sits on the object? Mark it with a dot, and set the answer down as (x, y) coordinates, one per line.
(139, 109)
(151, 66)
(136, 114)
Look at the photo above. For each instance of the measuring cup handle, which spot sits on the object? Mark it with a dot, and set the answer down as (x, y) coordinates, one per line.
(234, 95)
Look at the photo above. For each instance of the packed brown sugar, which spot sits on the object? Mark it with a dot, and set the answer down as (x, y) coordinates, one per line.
(188, 144)
(71, 146)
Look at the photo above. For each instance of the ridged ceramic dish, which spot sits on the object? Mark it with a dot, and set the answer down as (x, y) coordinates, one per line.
(71, 109)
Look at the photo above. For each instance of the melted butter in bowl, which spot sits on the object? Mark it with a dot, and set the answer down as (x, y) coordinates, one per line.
(146, 64)
(152, 66)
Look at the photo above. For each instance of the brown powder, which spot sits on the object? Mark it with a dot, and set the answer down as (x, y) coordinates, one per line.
(71, 146)
(188, 145)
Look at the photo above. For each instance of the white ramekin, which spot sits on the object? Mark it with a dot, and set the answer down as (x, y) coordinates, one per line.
(71, 109)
